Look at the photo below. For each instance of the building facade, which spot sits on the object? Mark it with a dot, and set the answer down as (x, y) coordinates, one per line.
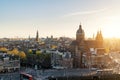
(81, 47)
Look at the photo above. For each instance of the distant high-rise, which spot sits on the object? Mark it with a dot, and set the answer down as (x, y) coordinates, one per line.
(37, 36)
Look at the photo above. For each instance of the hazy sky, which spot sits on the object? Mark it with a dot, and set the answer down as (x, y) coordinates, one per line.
(21, 18)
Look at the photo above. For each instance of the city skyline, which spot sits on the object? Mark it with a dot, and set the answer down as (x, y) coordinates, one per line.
(59, 18)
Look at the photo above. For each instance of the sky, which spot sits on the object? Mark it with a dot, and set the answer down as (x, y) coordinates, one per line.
(22, 18)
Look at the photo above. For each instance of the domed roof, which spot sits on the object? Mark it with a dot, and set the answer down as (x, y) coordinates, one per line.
(80, 30)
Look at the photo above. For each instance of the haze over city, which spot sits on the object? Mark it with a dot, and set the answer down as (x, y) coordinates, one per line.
(59, 39)
(59, 17)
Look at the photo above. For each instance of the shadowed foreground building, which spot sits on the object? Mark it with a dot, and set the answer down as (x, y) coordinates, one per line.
(81, 47)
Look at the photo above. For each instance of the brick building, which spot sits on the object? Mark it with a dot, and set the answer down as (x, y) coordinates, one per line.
(81, 46)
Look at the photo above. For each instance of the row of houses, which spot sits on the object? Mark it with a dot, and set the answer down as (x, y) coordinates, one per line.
(7, 65)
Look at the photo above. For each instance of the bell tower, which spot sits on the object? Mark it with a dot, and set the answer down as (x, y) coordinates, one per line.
(80, 47)
(80, 34)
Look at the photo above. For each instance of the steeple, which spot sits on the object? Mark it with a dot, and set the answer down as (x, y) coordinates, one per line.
(99, 36)
(80, 30)
(99, 39)
(37, 36)
(80, 34)
(29, 37)
(80, 25)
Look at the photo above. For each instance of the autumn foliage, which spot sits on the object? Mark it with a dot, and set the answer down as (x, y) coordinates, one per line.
(14, 52)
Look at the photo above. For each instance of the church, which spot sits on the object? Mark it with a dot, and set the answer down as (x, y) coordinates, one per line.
(82, 46)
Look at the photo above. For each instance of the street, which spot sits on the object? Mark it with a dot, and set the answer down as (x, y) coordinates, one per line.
(43, 74)
(10, 76)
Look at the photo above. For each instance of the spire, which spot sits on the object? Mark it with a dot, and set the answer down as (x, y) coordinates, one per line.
(99, 35)
(29, 37)
(37, 36)
(80, 26)
(93, 36)
(99, 39)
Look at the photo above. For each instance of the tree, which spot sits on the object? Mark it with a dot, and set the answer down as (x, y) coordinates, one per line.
(3, 49)
(47, 61)
(30, 60)
(38, 52)
(30, 51)
(53, 46)
(22, 55)
(14, 54)
(15, 51)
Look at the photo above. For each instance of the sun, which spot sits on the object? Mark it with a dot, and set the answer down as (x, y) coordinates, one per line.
(111, 27)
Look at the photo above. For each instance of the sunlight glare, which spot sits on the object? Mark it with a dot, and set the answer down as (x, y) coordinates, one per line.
(112, 27)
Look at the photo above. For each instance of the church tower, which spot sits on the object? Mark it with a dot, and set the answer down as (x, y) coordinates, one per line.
(99, 39)
(80, 47)
(37, 36)
(80, 34)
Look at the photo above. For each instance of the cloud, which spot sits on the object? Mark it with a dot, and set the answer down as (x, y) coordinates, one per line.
(85, 12)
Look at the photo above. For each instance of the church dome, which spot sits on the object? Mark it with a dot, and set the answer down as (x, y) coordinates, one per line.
(80, 30)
